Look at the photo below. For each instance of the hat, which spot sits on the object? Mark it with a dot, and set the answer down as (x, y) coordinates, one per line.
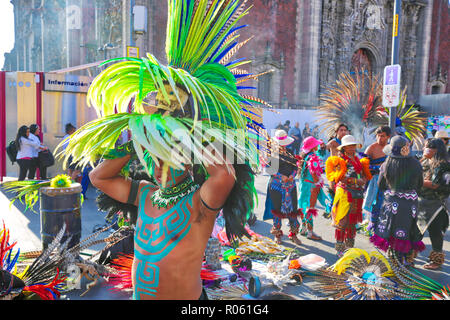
(441, 134)
(310, 143)
(281, 138)
(349, 140)
(393, 149)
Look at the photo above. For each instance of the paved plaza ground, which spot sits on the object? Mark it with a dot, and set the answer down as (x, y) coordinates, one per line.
(25, 228)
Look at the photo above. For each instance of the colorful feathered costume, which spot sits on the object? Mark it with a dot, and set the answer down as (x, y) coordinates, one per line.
(359, 275)
(354, 100)
(409, 122)
(310, 187)
(348, 199)
(281, 200)
(198, 107)
(186, 114)
(40, 278)
(357, 101)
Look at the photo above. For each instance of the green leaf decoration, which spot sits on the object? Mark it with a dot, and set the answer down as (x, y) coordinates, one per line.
(27, 192)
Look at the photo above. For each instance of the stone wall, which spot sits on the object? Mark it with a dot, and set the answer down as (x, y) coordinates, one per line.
(439, 63)
(305, 43)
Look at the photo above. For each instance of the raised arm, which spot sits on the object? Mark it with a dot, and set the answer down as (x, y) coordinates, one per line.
(216, 189)
(106, 177)
(332, 147)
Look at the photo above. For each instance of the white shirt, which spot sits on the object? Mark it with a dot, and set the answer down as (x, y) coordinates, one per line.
(35, 139)
(28, 147)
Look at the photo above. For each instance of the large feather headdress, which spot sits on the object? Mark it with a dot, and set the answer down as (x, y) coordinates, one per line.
(355, 100)
(196, 93)
(407, 116)
(188, 112)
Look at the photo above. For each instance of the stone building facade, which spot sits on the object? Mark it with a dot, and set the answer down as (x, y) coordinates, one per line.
(363, 38)
(439, 63)
(56, 34)
(305, 44)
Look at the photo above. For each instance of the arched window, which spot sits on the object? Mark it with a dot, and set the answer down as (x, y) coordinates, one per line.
(264, 86)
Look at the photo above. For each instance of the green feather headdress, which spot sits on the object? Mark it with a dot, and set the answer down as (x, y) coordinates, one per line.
(201, 41)
(200, 117)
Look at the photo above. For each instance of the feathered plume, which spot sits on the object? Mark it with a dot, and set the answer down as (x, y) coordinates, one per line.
(359, 275)
(353, 100)
(27, 192)
(408, 117)
(201, 41)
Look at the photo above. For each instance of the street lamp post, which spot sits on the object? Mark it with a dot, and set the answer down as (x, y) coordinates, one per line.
(395, 51)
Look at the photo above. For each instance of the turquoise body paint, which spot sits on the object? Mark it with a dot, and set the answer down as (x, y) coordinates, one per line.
(157, 237)
(172, 173)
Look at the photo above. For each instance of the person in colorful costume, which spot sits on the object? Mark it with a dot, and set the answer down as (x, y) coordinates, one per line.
(350, 174)
(181, 137)
(281, 200)
(311, 186)
(340, 130)
(373, 198)
(434, 198)
(400, 178)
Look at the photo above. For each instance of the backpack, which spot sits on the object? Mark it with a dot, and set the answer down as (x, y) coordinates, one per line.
(11, 151)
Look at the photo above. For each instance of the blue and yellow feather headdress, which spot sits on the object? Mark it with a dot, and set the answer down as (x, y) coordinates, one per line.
(198, 103)
(201, 40)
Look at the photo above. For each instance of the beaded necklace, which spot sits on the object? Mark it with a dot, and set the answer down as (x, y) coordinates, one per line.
(165, 197)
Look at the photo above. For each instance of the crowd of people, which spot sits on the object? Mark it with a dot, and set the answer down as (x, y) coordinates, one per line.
(385, 187)
(33, 157)
(297, 134)
(29, 147)
(177, 203)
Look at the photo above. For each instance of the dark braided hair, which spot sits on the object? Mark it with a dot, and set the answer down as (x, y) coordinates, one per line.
(441, 155)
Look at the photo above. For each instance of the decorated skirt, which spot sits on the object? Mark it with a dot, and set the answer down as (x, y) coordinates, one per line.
(396, 226)
(281, 198)
(347, 211)
(311, 165)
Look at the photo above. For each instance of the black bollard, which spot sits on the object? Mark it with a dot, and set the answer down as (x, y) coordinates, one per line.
(59, 206)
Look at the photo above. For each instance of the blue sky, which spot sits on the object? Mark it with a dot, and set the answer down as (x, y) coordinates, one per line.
(7, 29)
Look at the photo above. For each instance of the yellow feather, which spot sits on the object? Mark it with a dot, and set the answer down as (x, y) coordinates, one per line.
(344, 262)
(20, 275)
(379, 256)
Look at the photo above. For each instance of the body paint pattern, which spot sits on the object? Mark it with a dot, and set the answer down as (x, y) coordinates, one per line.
(172, 174)
(154, 239)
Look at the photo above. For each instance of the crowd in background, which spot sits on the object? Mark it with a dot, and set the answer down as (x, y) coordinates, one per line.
(29, 152)
(400, 188)
(404, 182)
(33, 157)
(298, 134)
